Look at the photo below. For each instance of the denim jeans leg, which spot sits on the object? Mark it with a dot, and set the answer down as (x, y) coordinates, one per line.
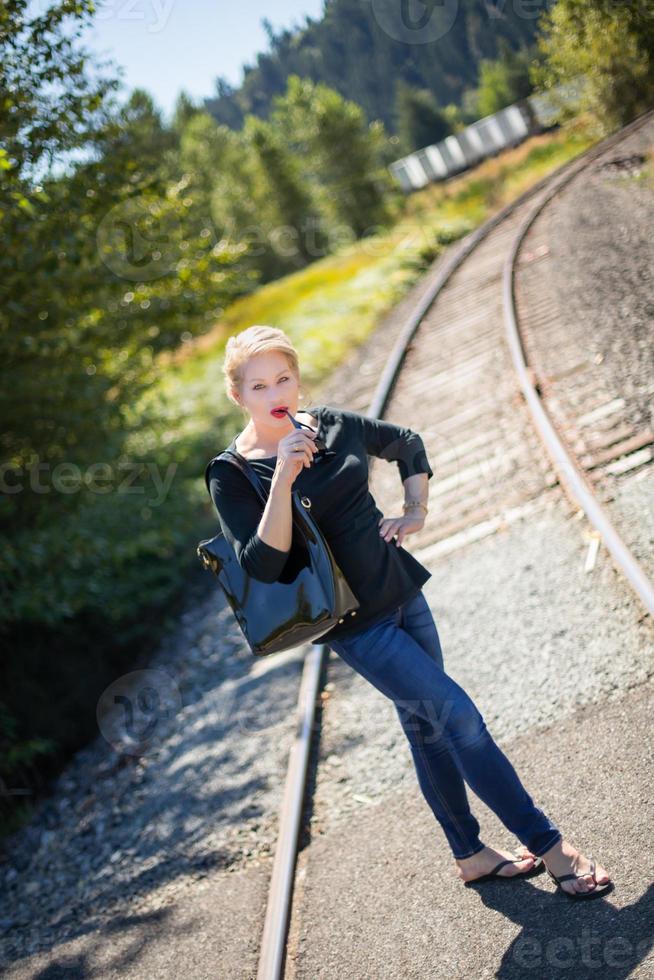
(529, 823)
(397, 665)
(440, 781)
(438, 777)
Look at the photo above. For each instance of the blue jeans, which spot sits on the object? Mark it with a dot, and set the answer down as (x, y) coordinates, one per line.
(401, 656)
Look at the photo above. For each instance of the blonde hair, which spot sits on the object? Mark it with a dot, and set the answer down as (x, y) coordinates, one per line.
(254, 340)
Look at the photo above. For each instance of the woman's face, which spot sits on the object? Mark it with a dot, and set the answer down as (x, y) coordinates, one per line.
(267, 383)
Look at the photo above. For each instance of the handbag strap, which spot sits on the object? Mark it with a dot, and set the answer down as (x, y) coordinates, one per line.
(241, 462)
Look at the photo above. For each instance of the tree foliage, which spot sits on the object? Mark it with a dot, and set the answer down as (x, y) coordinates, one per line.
(106, 260)
(341, 155)
(296, 229)
(109, 265)
(504, 80)
(49, 104)
(419, 120)
(609, 47)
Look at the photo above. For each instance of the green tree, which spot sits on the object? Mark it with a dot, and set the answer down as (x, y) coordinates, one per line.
(185, 110)
(212, 156)
(112, 263)
(107, 259)
(49, 104)
(341, 154)
(225, 173)
(296, 233)
(419, 121)
(606, 47)
(504, 80)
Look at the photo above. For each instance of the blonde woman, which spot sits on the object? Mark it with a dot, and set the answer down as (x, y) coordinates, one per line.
(392, 641)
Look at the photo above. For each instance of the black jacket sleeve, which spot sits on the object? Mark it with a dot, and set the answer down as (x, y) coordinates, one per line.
(395, 443)
(239, 512)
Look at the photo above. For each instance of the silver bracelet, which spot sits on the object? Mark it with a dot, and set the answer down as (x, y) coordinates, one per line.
(408, 504)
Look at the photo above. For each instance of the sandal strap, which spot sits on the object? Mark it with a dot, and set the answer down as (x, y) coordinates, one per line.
(569, 876)
(514, 860)
(500, 865)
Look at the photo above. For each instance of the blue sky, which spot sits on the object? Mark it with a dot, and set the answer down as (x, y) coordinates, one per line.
(169, 45)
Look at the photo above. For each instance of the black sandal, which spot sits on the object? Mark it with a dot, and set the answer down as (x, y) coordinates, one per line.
(535, 869)
(593, 893)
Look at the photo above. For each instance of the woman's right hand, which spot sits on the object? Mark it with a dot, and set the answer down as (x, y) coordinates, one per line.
(295, 451)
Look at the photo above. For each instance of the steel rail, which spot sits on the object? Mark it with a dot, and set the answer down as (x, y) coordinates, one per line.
(572, 476)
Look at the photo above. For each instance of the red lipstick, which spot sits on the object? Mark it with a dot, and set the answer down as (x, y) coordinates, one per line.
(279, 412)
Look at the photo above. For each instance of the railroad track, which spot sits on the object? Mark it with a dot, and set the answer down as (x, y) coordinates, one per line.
(606, 430)
(503, 449)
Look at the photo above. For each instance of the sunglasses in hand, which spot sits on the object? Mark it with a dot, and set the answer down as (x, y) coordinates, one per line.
(323, 452)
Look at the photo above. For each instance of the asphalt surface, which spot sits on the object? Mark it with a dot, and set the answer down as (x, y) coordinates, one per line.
(378, 896)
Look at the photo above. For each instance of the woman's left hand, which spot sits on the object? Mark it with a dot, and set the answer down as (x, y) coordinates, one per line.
(400, 526)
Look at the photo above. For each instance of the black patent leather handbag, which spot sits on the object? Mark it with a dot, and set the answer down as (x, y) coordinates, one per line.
(310, 596)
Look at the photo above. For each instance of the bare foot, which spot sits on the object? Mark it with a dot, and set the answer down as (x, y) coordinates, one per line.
(563, 859)
(484, 861)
